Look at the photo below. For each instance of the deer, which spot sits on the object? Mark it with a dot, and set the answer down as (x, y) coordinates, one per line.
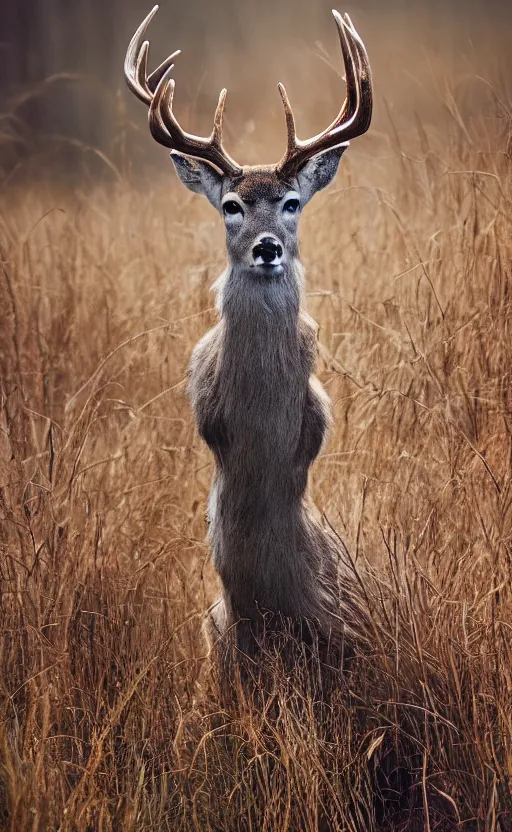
(256, 400)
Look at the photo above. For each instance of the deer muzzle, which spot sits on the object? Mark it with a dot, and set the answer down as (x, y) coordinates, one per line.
(267, 253)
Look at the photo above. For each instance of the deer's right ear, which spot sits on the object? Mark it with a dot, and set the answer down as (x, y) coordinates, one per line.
(199, 177)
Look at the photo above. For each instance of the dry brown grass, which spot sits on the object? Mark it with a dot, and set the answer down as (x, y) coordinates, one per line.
(110, 716)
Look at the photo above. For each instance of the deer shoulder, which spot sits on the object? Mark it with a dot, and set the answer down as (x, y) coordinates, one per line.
(317, 414)
(203, 389)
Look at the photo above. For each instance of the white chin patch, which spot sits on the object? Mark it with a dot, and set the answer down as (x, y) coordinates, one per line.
(259, 261)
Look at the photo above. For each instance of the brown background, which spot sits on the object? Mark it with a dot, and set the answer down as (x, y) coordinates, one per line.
(61, 67)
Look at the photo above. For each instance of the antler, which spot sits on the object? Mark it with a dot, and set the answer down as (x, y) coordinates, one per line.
(157, 91)
(355, 115)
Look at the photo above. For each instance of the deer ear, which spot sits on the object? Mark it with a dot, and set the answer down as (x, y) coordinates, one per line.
(200, 177)
(319, 172)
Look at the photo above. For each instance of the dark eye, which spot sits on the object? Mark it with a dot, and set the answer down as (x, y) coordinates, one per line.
(232, 207)
(291, 206)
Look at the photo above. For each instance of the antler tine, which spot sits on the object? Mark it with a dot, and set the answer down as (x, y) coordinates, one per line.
(141, 71)
(355, 115)
(219, 117)
(158, 73)
(162, 118)
(163, 92)
(290, 120)
(351, 63)
(136, 57)
(365, 77)
(157, 91)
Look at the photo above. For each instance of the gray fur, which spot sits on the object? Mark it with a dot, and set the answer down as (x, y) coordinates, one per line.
(264, 415)
(199, 177)
(319, 171)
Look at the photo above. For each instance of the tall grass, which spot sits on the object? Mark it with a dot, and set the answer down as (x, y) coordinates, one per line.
(109, 705)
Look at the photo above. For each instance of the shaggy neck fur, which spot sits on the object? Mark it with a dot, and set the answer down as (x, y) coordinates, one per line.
(264, 417)
(262, 385)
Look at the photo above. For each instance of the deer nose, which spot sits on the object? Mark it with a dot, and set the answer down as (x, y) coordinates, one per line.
(267, 251)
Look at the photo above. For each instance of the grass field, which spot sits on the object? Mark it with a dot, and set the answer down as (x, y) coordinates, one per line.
(109, 709)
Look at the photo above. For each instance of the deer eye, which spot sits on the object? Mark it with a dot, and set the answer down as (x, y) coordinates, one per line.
(231, 207)
(291, 206)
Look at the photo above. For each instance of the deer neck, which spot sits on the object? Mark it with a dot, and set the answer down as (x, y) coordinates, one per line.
(263, 381)
(260, 365)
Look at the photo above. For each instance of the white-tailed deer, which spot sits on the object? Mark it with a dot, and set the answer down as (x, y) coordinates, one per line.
(257, 404)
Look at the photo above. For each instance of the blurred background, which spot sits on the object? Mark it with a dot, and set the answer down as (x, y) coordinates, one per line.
(65, 108)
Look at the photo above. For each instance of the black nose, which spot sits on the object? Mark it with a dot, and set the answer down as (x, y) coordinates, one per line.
(268, 248)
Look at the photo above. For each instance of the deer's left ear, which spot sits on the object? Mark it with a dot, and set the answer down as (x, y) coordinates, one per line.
(319, 172)
(199, 177)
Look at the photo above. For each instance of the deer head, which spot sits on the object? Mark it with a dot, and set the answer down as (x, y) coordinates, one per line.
(260, 204)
